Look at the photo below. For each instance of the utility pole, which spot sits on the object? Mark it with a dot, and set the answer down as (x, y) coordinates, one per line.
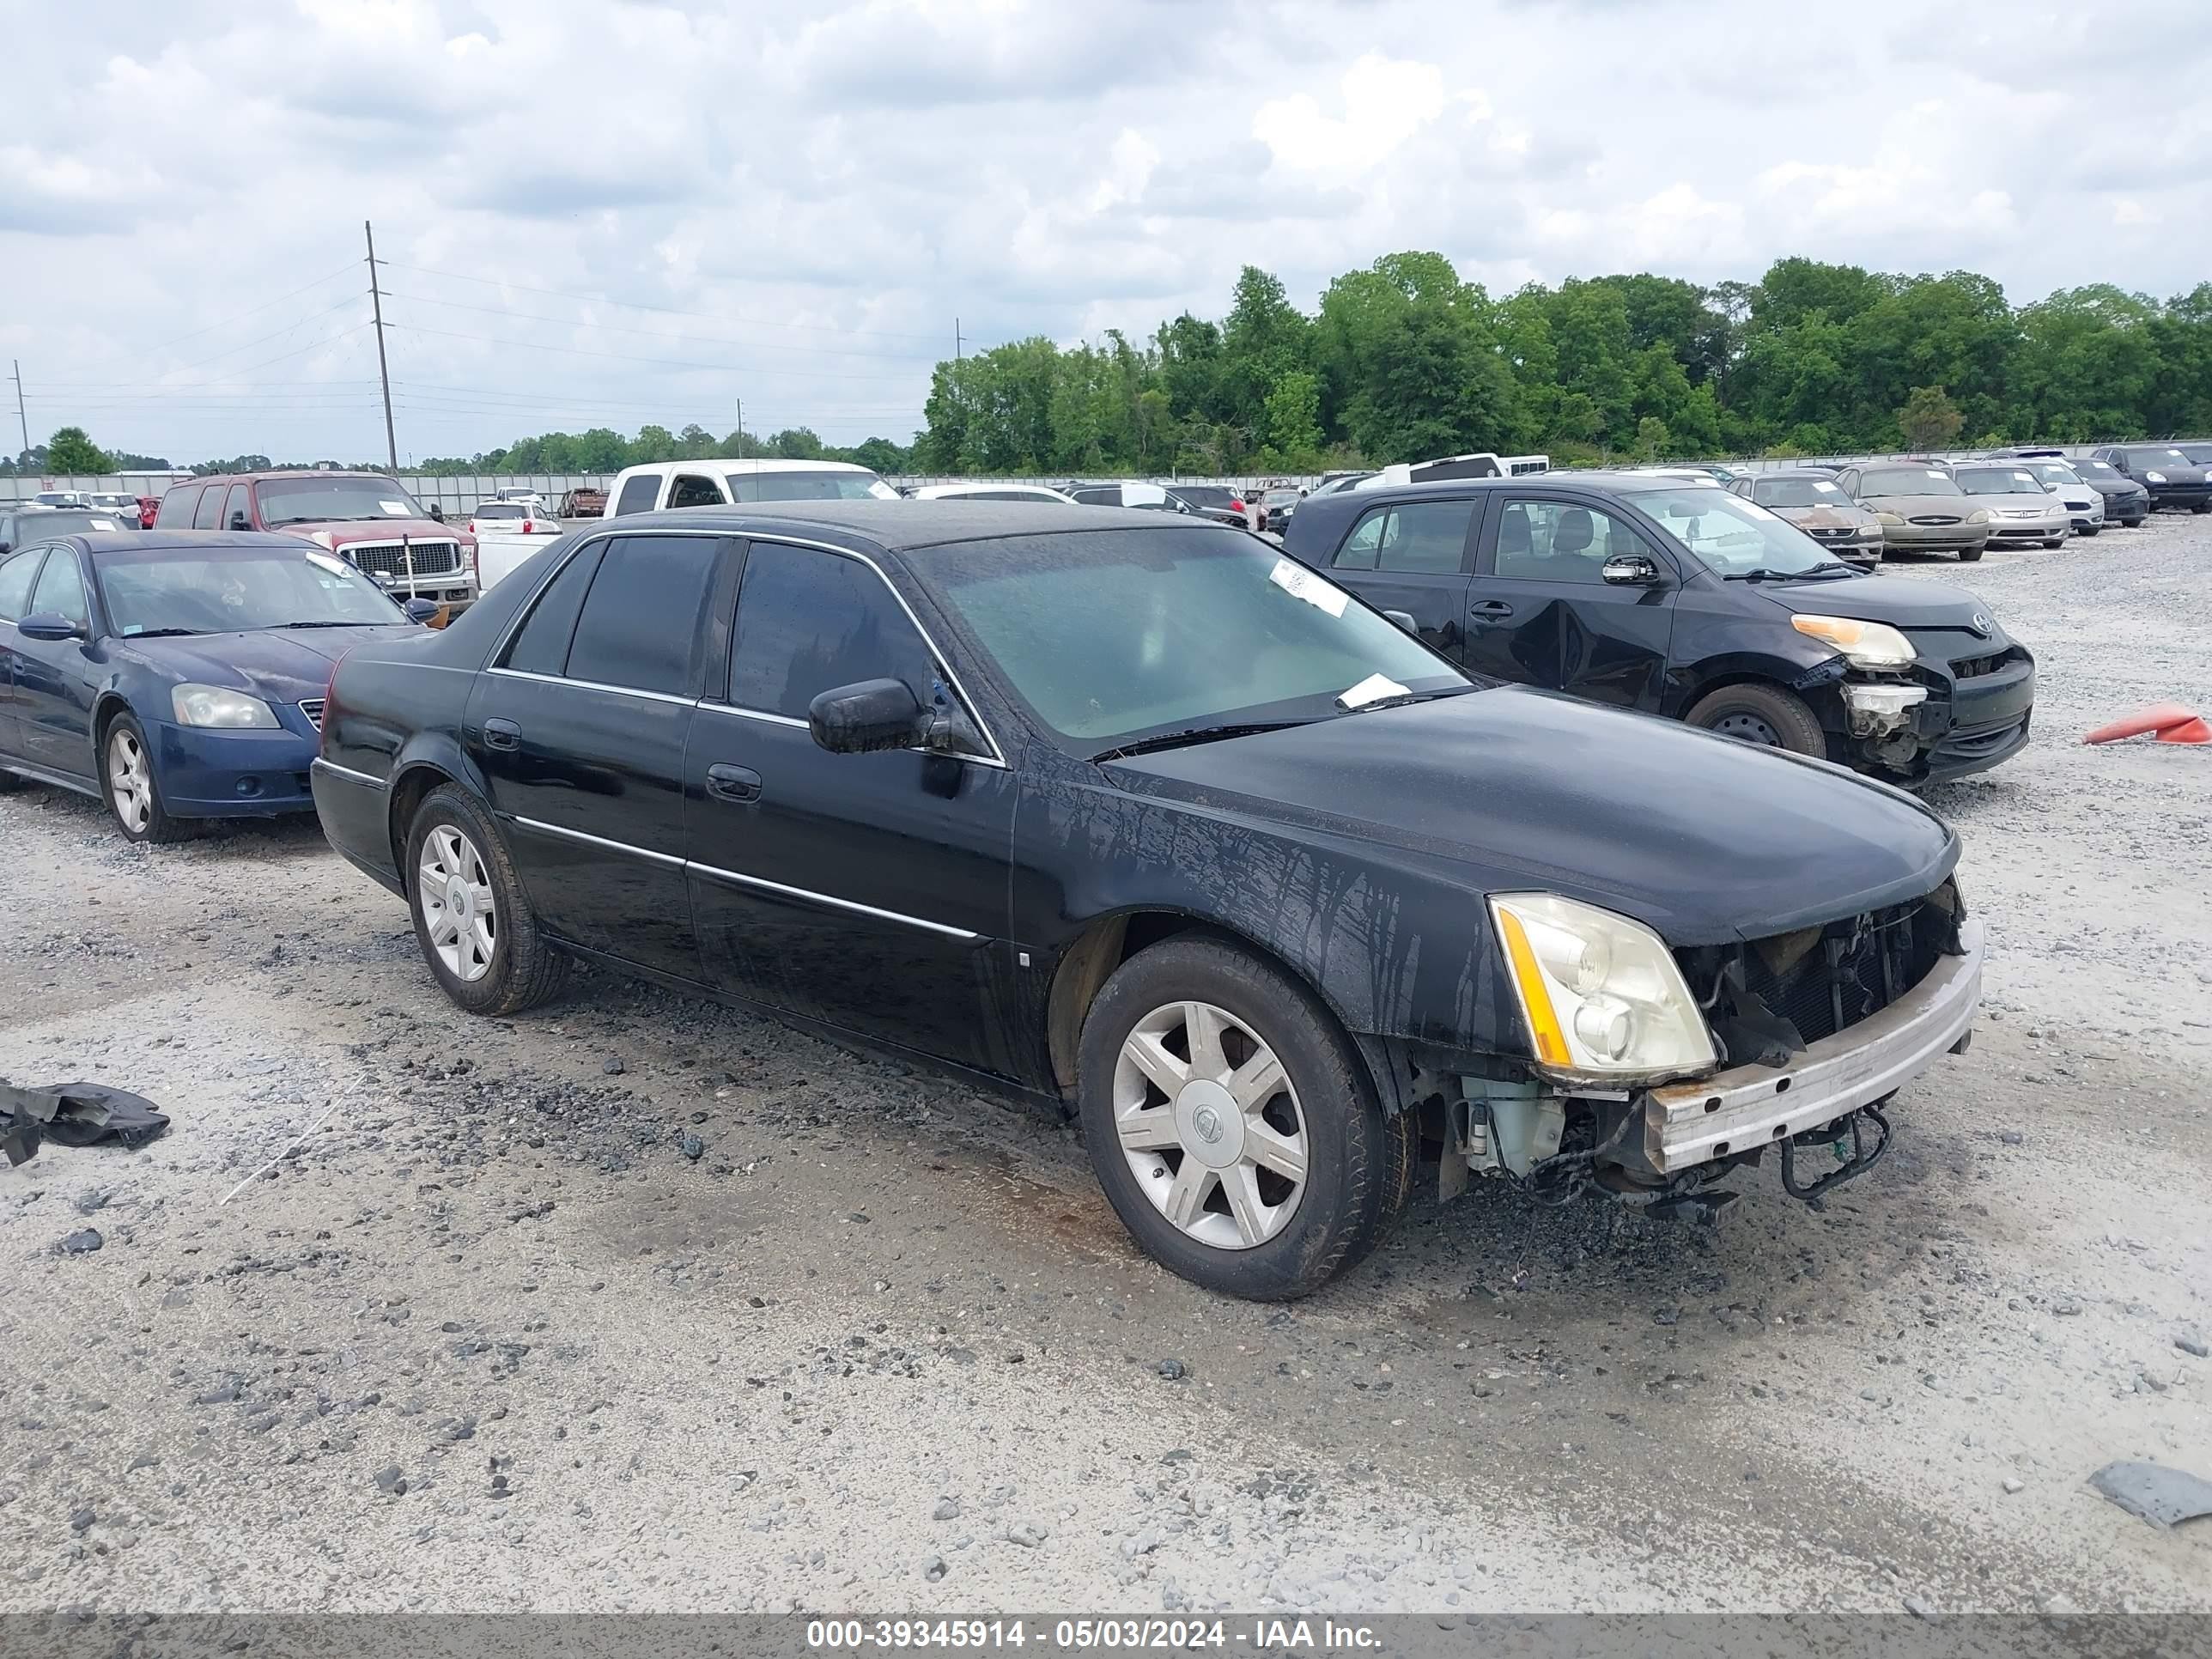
(24, 419)
(376, 305)
(955, 340)
(741, 429)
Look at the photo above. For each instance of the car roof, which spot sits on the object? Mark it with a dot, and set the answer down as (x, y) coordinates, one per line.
(288, 472)
(1611, 482)
(901, 526)
(752, 464)
(189, 541)
(1815, 474)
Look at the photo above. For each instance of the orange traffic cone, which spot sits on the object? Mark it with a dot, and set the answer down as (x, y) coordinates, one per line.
(2170, 721)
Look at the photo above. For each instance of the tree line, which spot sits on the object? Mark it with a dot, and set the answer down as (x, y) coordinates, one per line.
(1406, 360)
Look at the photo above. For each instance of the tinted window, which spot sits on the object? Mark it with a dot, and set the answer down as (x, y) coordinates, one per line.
(237, 511)
(1560, 542)
(809, 621)
(177, 506)
(542, 647)
(60, 589)
(203, 515)
(15, 574)
(1428, 536)
(1796, 492)
(639, 494)
(1099, 498)
(641, 620)
(808, 486)
(692, 491)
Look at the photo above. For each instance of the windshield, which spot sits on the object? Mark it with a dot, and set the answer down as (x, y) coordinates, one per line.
(1798, 492)
(1732, 535)
(342, 499)
(1279, 497)
(1205, 495)
(1112, 636)
(2056, 472)
(1908, 481)
(2165, 456)
(1998, 480)
(808, 486)
(225, 593)
(68, 521)
(2102, 469)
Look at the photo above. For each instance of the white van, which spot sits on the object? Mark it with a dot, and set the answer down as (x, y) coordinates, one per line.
(719, 484)
(1482, 463)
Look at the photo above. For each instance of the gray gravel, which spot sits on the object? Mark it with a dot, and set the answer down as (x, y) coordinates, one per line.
(752, 1322)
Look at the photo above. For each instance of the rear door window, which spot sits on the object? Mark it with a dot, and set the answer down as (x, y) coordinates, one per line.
(639, 624)
(639, 494)
(542, 647)
(1422, 538)
(176, 508)
(690, 489)
(205, 515)
(15, 573)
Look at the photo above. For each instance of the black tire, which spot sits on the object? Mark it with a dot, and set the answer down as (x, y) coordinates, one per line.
(1764, 714)
(9, 783)
(141, 818)
(1359, 1170)
(1970, 555)
(2202, 507)
(2091, 529)
(524, 971)
(2056, 541)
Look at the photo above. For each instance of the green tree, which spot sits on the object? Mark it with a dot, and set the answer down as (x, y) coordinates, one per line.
(1293, 421)
(1653, 441)
(1929, 419)
(73, 454)
(796, 443)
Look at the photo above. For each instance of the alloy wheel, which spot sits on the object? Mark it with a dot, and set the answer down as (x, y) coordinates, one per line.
(129, 781)
(458, 912)
(1210, 1124)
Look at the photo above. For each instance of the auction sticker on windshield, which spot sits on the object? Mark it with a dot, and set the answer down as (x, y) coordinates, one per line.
(397, 510)
(1373, 688)
(1297, 581)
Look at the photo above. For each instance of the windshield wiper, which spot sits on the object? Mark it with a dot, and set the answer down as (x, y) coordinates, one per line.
(325, 624)
(1191, 734)
(163, 633)
(1404, 697)
(1763, 575)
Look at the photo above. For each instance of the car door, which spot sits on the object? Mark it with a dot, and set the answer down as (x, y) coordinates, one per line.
(866, 892)
(580, 728)
(1413, 557)
(1540, 611)
(19, 571)
(55, 679)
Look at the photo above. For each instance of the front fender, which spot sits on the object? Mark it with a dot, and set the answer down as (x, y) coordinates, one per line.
(1814, 674)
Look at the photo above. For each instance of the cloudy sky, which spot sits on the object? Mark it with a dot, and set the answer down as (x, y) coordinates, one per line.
(598, 212)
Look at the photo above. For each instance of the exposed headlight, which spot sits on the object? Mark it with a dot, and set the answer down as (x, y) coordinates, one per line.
(1600, 994)
(214, 705)
(1888, 518)
(2153, 478)
(1863, 644)
(1979, 515)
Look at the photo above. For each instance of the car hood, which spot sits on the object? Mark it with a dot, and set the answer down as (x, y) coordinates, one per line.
(344, 530)
(1841, 515)
(1960, 507)
(2104, 486)
(1704, 839)
(278, 665)
(2013, 502)
(1900, 601)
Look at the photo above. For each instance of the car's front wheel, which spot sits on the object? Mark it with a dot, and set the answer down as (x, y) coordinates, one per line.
(1764, 714)
(134, 794)
(472, 919)
(1234, 1128)
(1970, 555)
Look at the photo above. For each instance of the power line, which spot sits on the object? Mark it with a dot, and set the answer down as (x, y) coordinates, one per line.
(652, 334)
(263, 339)
(177, 339)
(670, 311)
(664, 362)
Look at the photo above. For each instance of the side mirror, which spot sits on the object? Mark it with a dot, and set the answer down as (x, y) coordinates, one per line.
(867, 717)
(1404, 620)
(50, 625)
(238, 522)
(422, 610)
(438, 512)
(1630, 570)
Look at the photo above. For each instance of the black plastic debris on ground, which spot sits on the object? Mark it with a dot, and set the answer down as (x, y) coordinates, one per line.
(73, 1114)
(2156, 1494)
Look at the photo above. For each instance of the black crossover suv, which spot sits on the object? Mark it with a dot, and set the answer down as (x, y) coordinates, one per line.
(1145, 819)
(1676, 597)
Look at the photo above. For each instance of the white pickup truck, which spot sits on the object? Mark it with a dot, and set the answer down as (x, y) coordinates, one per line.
(507, 533)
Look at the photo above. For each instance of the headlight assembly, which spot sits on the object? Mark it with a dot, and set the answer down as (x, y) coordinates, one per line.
(1888, 517)
(215, 705)
(1600, 994)
(1863, 644)
(1979, 515)
(2153, 478)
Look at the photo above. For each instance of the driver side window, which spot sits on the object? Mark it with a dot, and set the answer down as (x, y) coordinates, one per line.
(15, 573)
(1561, 542)
(60, 589)
(690, 489)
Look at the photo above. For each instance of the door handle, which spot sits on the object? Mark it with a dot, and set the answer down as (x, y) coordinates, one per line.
(737, 783)
(1497, 608)
(502, 734)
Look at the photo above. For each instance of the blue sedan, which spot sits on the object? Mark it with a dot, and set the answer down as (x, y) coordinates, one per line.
(176, 675)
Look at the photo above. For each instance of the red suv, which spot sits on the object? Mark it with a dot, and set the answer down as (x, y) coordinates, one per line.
(365, 517)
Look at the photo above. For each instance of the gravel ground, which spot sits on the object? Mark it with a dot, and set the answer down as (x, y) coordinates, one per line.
(637, 1302)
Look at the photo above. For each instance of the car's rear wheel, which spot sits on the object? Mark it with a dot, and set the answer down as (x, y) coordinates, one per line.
(134, 794)
(472, 919)
(1763, 714)
(1232, 1125)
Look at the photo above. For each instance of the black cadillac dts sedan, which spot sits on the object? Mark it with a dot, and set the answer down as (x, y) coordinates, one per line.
(1145, 819)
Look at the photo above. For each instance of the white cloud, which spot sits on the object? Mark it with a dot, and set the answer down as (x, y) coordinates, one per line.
(1386, 101)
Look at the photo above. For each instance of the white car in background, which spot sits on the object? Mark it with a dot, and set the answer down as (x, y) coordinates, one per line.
(2084, 503)
(508, 532)
(62, 498)
(990, 492)
(661, 484)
